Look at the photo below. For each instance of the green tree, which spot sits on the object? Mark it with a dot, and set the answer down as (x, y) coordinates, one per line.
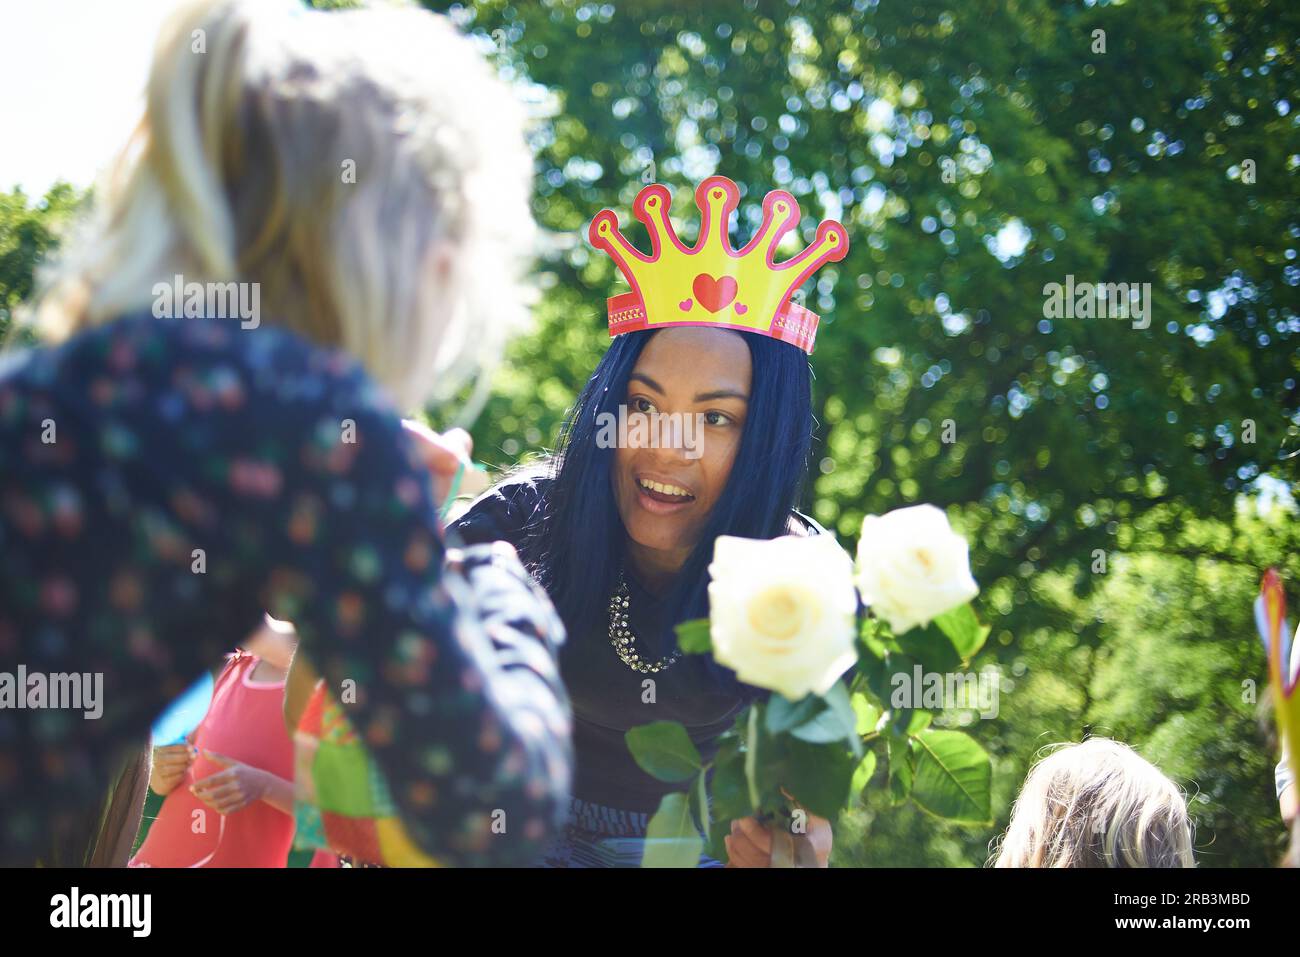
(27, 234)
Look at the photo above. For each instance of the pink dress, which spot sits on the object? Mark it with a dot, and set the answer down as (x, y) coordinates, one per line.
(244, 722)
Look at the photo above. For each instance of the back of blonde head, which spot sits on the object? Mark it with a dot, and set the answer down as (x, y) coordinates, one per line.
(1097, 804)
(365, 168)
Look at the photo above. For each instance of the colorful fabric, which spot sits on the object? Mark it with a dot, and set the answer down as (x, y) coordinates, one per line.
(340, 798)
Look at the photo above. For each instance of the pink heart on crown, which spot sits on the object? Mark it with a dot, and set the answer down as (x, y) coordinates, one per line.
(714, 294)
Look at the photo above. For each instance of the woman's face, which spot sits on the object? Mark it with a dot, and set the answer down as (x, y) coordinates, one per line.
(700, 380)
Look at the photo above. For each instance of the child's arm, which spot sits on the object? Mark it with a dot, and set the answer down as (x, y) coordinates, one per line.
(279, 793)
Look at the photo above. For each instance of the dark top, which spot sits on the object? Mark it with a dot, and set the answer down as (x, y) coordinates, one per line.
(165, 481)
(606, 694)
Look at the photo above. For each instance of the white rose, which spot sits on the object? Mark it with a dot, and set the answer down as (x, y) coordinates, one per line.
(782, 611)
(912, 567)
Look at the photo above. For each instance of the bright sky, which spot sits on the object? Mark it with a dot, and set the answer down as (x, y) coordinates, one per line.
(73, 73)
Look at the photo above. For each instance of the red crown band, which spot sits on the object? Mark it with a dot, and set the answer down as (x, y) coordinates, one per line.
(793, 323)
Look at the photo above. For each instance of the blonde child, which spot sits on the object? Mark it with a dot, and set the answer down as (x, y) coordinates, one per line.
(1097, 804)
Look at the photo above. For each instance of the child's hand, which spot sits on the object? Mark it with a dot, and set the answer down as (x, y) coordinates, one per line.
(170, 762)
(232, 789)
(443, 453)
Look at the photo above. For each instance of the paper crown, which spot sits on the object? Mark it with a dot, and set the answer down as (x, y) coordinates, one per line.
(713, 284)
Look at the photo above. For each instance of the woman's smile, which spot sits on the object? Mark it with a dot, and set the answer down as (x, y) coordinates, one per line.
(660, 496)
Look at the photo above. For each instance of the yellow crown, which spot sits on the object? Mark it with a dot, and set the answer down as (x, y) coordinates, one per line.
(713, 284)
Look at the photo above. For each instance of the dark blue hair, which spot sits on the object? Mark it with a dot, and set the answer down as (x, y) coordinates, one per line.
(582, 550)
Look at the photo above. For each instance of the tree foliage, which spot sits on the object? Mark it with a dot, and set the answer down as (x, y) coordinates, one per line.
(976, 152)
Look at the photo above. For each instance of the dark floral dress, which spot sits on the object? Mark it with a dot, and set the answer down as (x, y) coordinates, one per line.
(163, 483)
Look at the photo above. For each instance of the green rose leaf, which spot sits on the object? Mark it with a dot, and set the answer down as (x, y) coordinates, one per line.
(896, 690)
(900, 768)
(870, 636)
(964, 630)
(664, 751)
(862, 776)
(870, 670)
(718, 835)
(700, 801)
(753, 740)
(909, 722)
(693, 637)
(818, 776)
(671, 838)
(932, 647)
(836, 722)
(953, 777)
(867, 714)
(784, 714)
(728, 787)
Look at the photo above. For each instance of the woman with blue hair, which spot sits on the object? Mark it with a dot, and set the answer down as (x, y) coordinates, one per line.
(621, 533)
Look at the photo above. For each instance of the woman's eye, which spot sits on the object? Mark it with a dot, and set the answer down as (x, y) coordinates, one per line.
(644, 406)
(716, 418)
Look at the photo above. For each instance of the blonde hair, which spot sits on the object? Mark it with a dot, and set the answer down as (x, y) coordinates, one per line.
(1097, 804)
(255, 113)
